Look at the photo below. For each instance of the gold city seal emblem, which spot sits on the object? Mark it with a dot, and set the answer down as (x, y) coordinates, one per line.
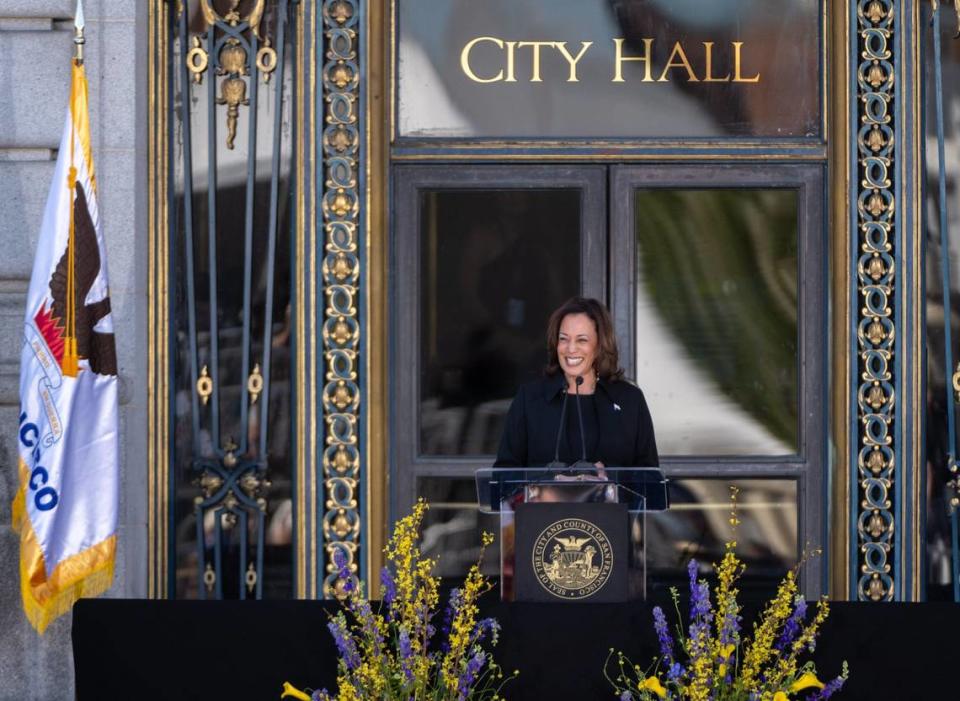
(572, 559)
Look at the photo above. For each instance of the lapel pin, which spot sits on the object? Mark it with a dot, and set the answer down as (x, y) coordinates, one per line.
(616, 407)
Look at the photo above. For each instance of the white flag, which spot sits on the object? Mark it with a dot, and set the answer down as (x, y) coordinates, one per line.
(66, 507)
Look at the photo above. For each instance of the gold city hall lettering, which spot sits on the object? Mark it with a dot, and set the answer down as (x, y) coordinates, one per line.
(678, 61)
(508, 75)
(527, 58)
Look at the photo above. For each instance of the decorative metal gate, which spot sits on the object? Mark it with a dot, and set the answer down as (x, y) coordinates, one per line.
(233, 78)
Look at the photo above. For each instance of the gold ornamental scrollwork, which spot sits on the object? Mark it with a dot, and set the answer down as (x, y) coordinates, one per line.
(255, 384)
(204, 385)
(877, 405)
(233, 17)
(341, 274)
(233, 93)
(233, 58)
(267, 60)
(209, 578)
(197, 60)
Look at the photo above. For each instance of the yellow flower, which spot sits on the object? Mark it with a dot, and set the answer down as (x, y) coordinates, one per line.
(805, 681)
(463, 624)
(653, 684)
(780, 696)
(761, 650)
(293, 692)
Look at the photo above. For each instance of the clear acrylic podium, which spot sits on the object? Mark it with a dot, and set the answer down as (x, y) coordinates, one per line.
(555, 556)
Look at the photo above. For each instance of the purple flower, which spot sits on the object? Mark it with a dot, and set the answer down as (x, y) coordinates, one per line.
(700, 618)
(676, 671)
(406, 654)
(345, 645)
(701, 615)
(699, 594)
(626, 696)
(832, 687)
(469, 675)
(487, 626)
(453, 605)
(663, 634)
(792, 626)
(389, 587)
(700, 606)
(692, 569)
(343, 571)
(729, 627)
(364, 614)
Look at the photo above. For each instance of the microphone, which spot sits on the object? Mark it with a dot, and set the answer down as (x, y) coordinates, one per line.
(556, 464)
(582, 463)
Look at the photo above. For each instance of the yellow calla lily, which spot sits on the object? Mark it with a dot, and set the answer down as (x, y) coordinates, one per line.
(653, 684)
(805, 681)
(293, 692)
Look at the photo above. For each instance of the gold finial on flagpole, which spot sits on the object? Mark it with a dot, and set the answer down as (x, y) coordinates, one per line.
(78, 39)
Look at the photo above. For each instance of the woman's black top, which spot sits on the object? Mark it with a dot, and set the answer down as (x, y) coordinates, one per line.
(617, 424)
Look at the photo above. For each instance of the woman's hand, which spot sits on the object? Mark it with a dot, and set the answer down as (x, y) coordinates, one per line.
(601, 475)
(601, 472)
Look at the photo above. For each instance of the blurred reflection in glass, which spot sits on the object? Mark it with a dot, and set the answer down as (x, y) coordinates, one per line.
(494, 264)
(716, 319)
(697, 525)
(691, 94)
(453, 525)
(939, 579)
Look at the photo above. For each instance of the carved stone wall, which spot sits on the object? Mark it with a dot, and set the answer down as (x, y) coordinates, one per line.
(35, 50)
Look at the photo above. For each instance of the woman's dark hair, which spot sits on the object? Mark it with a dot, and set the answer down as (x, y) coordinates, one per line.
(607, 363)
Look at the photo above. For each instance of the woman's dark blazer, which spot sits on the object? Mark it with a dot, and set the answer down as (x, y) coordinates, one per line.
(623, 422)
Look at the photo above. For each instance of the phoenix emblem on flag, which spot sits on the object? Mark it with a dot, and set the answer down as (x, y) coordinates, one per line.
(52, 320)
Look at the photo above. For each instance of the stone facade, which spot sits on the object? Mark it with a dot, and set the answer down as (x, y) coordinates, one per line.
(35, 50)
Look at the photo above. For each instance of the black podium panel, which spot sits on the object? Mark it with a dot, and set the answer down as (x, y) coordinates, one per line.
(571, 552)
(206, 651)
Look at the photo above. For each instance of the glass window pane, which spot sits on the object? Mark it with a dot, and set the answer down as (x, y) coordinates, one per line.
(939, 373)
(697, 526)
(453, 525)
(655, 68)
(716, 319)
(494, 264)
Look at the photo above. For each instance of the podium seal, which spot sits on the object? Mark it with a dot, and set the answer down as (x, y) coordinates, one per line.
(572, 559)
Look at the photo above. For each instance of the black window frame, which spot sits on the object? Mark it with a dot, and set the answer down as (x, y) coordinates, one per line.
(407, 464)
(810, 465)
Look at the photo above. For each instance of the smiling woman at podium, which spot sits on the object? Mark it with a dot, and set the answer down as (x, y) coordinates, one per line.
(581, 414)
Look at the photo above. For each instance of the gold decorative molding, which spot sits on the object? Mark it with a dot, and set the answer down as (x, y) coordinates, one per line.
(158, 379)
(341, 276)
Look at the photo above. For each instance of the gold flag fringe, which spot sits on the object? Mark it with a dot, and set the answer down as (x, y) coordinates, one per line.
(87, 574)
(43, 614)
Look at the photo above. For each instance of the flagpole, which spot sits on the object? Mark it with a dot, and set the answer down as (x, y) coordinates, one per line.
(70, 355)
(78, 38)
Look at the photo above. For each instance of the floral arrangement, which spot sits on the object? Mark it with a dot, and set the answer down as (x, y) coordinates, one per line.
(394, 651)
(713, 660)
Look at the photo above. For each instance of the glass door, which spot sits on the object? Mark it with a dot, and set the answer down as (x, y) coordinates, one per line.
(483, 254)
(717, 289)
